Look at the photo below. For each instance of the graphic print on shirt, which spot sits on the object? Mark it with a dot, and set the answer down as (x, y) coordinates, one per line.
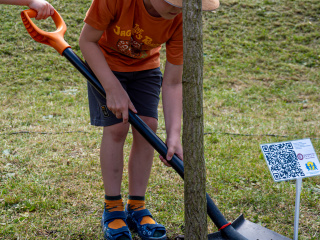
(133, 47)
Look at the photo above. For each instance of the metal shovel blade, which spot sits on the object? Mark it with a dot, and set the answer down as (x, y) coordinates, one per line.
(249, 230)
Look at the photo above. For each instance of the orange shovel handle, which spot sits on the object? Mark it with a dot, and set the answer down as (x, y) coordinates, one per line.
(54, 39)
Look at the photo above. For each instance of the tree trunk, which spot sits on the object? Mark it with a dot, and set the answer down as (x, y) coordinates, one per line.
(192, 139)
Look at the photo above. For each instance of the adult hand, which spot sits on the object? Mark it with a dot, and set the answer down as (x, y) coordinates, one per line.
(43, 8)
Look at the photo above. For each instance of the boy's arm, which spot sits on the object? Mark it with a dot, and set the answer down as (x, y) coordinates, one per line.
(43, 8)
(172, 108)
(117, 99)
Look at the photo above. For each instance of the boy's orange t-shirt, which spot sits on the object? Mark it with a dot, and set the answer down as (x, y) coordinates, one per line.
(132, 38)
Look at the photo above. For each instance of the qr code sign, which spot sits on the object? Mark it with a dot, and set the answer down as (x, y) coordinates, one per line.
(282, 161)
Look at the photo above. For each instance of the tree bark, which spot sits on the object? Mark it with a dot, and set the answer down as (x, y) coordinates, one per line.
(192, 139)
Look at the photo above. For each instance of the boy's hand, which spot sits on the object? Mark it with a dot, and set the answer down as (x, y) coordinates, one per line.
(118, 102)
(174, 147)
(43, 8)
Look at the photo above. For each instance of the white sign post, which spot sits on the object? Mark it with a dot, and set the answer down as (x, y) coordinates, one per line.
(292, 160)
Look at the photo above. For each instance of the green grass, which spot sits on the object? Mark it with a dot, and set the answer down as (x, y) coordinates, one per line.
(261, 85)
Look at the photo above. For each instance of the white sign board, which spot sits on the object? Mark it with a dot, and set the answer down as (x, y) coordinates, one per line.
(291, 160)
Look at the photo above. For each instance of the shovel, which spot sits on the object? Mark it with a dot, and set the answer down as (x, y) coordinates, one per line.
(240, 229)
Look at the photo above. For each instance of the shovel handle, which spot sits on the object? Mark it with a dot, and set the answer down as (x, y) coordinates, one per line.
(54, 39)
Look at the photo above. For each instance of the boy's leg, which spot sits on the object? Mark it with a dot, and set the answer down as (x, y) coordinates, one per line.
(140, 160)
(140, 163)
(111, 157)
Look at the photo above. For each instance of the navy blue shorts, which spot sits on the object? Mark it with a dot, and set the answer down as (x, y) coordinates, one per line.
(143, 88)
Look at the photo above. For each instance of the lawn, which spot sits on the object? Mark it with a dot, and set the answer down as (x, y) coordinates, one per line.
(261, 85)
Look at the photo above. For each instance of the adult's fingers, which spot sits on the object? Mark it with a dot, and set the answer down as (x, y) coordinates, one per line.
(45, 12)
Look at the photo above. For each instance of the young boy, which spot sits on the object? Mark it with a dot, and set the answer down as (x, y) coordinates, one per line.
(43, 8)
(121, 40)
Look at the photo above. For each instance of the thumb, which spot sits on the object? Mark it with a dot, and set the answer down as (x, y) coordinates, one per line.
(169, 154)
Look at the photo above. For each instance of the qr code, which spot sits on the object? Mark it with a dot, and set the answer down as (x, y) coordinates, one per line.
(282, 161)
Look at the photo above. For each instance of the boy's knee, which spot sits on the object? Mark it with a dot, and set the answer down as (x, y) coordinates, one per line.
(151, 122)
(117, 132)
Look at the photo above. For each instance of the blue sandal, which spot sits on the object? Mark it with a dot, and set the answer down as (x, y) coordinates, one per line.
(146, 231)
(115, 234)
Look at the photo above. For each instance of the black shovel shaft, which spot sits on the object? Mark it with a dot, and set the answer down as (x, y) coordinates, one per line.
(134, 119)
(176, 163)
